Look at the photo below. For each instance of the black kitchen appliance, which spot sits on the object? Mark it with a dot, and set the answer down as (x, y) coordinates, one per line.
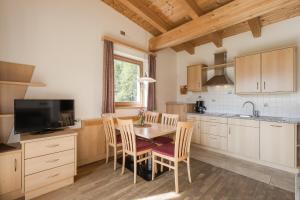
(199, 107)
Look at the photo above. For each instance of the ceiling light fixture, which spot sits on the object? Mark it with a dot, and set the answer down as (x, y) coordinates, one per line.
(146, 79)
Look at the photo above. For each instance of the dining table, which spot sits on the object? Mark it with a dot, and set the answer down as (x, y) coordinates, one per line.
(147, 131)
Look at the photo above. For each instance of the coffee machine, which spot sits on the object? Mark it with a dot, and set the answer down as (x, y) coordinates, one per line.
(199, 107)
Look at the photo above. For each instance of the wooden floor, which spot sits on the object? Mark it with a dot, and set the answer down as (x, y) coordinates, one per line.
(99, 181)
(268, 175)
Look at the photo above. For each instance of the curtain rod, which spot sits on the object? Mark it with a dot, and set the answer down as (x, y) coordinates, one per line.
(105, 37)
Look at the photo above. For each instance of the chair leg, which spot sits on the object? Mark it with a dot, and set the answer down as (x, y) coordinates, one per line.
(176, 176)
(115, 158)
(123, 164)
(134, 169)
(107, 153)
(188, 169)
(170, 162)
(161, 166)
(153, 166)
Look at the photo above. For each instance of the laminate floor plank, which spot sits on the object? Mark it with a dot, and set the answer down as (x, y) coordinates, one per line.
(99, 181)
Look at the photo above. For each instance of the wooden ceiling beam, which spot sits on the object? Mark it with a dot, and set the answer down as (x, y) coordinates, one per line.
(232, 13)
(147, 14)
(255, 26)
(216, 38)
(192, 8)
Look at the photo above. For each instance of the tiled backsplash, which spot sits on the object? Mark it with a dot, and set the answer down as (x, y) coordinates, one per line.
(222, 99)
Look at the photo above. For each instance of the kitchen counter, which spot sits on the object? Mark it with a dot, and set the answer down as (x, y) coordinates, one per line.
(261, 118)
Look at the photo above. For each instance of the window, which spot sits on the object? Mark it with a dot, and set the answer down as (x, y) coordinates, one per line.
(127, 88)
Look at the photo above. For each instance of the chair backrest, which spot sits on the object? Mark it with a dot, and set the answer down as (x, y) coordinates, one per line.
(109, 130)
(183, 139)
(151, 117)
(127, 135)
(169, 119)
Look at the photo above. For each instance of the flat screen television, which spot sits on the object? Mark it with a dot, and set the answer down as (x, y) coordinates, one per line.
(40, 116)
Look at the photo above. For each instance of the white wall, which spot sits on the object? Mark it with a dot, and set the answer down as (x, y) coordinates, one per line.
(220, 99)
(62, 38)
(166, 75)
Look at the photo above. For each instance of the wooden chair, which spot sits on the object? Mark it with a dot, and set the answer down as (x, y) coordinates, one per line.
(112, 139)
(168, 120)
(151, 117)
(180, 151)
(140, 150)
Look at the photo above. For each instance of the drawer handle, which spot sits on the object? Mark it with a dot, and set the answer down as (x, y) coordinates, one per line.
(52, 161)
(53, 145)
(212, 138)
(276, 126)
(15, 165)
(53, 175)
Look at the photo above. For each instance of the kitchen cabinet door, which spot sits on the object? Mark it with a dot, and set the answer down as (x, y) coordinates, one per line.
(10, 172)
(243, 141)
(278, 70)
(247, 74)
(196, 77)
(277, 143)
(196, 130)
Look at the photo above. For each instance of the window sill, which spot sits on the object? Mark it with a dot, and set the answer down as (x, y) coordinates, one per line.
(130, 107)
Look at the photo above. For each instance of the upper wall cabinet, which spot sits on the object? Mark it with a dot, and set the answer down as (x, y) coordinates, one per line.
(195, 78)
(247, 74)
(278, 70)
(266, 72)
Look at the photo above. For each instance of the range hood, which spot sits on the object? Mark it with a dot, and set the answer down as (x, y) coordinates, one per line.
(220, 77)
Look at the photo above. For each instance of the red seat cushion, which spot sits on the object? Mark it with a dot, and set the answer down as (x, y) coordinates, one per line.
(142, 145)
(119, 139)
(165, 149)
(162, 140)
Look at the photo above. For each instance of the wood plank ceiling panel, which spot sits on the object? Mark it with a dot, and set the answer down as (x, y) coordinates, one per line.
(267, 19)
(229, 15)
(173, 13)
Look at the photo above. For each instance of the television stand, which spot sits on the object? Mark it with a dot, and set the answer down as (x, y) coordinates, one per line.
(5, 147)
(48, 131)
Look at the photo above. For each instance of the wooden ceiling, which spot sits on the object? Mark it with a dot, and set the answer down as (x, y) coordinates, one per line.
(185, 24)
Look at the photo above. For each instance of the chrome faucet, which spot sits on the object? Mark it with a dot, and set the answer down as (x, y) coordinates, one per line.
(255, 113)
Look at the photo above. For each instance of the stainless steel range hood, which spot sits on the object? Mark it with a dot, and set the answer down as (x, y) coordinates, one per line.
(220, 77)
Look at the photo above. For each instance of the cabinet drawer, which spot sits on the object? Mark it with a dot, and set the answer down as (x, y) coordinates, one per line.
(44, 147)
(34, 165)
(216, 142)
(243, 122)
(214, 129)
(44, 178)
(214, 119)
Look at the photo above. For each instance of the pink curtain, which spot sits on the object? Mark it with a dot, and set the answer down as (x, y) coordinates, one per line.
(108, 78)
(151, 105)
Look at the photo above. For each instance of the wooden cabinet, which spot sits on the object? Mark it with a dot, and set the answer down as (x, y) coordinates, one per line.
(213, 132)
(243, 140)
(247, 74)
(266, 72)
(10, 172)
(277, 143)
(49, 162)
(213, 141)
(196, 129)
(177, 108)
(196, 77)
(278, 70)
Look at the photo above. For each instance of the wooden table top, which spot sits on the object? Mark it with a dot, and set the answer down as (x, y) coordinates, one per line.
(154, 131)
